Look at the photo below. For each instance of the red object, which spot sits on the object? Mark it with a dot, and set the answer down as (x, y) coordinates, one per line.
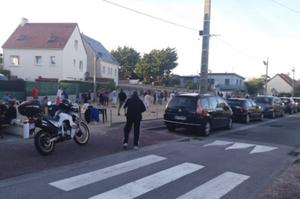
(35, 92)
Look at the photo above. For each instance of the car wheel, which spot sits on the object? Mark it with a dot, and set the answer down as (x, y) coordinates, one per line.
(206, 129)
(229, 123)
(171, 127)
(247, 119)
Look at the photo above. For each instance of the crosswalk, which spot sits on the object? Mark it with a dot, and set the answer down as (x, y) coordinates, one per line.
(214, 188)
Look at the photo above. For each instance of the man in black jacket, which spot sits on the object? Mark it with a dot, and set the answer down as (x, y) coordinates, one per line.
(122, 97)
(134, 108)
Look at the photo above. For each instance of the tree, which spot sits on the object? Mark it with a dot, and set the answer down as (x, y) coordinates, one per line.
(127, 58)
(157, 65)
(255, 86)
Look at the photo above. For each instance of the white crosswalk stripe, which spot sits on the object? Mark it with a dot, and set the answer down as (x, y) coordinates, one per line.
(217, 187)
(146, 184)
(101, 174)
(240, 145)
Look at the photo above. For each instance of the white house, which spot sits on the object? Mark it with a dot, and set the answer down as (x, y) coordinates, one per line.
(98, 58)
(280, 83)
(45, 50)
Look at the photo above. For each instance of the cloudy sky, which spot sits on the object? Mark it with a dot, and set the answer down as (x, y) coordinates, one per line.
(247, 32)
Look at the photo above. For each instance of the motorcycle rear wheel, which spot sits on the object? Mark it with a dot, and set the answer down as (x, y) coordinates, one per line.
(82, 135)
(43, 144)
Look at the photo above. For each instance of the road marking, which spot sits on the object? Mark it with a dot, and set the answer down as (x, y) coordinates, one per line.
(146, 184)
(218, 143)
(238, 145)
(101, 174)
(262, 149)
(216, 187)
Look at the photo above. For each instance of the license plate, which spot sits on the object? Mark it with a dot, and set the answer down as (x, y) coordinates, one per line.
(180, 118)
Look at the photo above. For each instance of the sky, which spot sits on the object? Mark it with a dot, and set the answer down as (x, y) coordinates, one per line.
(245, 33)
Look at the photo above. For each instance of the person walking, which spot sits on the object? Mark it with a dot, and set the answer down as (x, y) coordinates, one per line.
(122, 97)
(35, 93)
(147, 100)
(134, 107)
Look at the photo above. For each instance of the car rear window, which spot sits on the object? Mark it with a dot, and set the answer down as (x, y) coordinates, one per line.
(296, 100)
(264, 100)
(187, 102)
(235, 102)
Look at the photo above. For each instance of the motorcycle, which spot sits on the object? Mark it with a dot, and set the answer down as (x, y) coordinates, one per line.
(63, 124)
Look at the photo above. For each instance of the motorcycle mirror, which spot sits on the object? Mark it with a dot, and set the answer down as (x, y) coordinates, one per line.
(49, 103)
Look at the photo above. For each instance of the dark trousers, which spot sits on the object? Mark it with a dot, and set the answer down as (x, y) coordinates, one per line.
(136, 122)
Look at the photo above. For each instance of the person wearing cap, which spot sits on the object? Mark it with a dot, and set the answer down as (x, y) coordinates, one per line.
(134, 107)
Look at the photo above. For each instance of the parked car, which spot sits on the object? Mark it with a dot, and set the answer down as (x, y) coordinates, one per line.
(245, 110)
(290, 105)
(297, 100)
(200, 112)
(272, 106)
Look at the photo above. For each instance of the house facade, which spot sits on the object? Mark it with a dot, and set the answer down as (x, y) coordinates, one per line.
(45, 50)
(105, 64)
(280, 83)
(226, 82)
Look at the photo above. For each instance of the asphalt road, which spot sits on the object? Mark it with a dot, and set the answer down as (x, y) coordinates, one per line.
(240, 163)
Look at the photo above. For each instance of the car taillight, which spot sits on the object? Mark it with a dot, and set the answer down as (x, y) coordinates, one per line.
(200, 110)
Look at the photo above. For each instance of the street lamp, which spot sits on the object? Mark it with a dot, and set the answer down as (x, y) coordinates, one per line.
(293, 70)
(266, 63)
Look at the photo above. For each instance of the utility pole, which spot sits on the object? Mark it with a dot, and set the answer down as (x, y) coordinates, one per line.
(205, 47)
(293, 81)
(266, 63)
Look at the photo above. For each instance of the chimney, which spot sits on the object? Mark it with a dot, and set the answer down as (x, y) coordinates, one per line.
(23, 22)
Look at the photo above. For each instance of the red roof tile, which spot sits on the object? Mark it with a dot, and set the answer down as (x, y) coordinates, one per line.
(36, 35)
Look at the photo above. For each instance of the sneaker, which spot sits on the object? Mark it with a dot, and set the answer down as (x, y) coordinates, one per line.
(125, 145)
(135, 147)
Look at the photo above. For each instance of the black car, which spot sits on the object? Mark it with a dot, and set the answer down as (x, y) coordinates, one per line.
(198, 112)
(297, 100)
(245, 110)
(271, 105)
(290, 106)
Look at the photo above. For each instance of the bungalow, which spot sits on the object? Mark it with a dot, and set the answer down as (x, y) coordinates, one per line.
(280, 83)
(45, 50)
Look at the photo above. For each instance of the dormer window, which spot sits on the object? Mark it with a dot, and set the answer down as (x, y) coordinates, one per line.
(38, 60)
(52, 38)
(21, 37)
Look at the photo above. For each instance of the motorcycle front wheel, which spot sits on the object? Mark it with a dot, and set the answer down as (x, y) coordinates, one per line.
(42, 142)
(82, 135)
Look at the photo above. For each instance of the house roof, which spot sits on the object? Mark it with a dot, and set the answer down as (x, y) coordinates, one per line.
(99, 49)
(285, 77)
(40, 35)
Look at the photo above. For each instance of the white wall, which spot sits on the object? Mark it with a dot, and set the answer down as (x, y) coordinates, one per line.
(220, 79)
(27, 68)
(109, 71)
(70, 53)
(279, 84)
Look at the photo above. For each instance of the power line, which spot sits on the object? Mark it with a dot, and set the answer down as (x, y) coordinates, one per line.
(285, 6)
(151, 16)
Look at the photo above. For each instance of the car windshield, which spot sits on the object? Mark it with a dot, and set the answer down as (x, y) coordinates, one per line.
(264, 100)
(235, 102)
(183, 102)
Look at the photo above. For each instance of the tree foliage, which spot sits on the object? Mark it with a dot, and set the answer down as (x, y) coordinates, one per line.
(156, 66)
(127, 58)
(255, 86)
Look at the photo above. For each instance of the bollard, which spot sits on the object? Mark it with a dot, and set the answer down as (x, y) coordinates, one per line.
(25, 130)
(110, 117)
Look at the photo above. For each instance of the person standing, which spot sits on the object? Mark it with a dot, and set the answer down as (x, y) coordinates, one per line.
(122, 97)
(35, 93)
(58, 96)
(134, 108)
(147, 100)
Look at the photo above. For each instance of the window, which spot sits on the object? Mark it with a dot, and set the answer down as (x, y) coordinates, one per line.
(81, 65)
(52, 60)
(213, 103)
(76, 44)
(74, 62)
(227, 81)
(211, 81)
(103, 69)
(38, 60)
(15, 60)
(237, 82)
